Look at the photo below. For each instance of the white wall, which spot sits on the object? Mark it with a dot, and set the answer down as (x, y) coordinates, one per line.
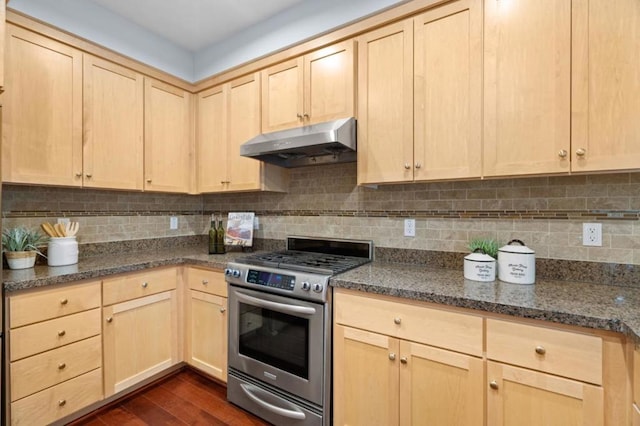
(103, 27)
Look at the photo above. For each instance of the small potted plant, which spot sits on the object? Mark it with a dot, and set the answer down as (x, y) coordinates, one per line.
(20, 246)
(480, 265)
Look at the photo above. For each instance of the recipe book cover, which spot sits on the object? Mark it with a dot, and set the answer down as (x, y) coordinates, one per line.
(239, 229)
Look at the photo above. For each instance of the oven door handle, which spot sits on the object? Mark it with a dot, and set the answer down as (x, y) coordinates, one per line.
(282, 307)
(292, 414)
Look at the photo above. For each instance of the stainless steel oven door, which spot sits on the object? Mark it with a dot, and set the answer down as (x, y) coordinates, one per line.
(279, 341)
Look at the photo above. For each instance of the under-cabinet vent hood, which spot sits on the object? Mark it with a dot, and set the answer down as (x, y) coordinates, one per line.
(330, 142)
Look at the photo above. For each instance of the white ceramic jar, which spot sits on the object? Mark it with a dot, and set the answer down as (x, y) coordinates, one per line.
(62, 251)
(517, 263)
(479, 266)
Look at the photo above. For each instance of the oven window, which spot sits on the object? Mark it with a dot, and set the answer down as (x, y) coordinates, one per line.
(274, 338)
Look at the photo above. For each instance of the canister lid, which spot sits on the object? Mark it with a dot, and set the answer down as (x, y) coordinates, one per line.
(479, 255)
(511, 247)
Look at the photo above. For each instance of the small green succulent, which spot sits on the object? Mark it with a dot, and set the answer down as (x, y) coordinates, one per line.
(21, 239)
(487, 245)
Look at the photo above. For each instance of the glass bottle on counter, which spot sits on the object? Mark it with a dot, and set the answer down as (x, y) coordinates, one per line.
(213, 236)
(220, 238)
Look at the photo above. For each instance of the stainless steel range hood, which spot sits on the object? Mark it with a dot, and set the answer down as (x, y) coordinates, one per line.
(330, 142)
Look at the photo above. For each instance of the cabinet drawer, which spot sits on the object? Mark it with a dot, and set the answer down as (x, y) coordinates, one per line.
(564, 353)
(207, 281)
(58, 401)
(30, 375)
(435, 327)
(40, 305)
(40, 337)
(139, 284)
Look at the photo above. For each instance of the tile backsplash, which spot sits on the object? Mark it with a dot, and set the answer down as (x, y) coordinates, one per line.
(545, 212)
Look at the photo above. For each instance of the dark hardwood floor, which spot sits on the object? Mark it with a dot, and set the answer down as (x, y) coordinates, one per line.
(185, 398)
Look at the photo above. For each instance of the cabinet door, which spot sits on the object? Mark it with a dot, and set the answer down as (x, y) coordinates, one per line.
(167, 137)
(140, 340)
(385, 104)
(42, 114)
(524, 397)
(113, 125)
(439, 387)
(282, 104)
(207, 333)
(605, 85)
(527, 70)
(365, 378)
(211, 140)
(329, 90)
(243, 124)
(448, 85)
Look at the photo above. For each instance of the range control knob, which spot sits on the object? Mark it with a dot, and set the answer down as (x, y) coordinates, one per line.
(235, 273)
(227, 272)
(232, 272)
(317, 288)
(306, 286)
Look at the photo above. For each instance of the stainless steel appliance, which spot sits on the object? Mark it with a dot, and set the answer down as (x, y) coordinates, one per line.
(280, 328)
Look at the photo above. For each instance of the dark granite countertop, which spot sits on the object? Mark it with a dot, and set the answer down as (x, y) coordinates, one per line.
(604, 307)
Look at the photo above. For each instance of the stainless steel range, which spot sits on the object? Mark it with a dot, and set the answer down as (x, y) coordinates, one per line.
(280, 328)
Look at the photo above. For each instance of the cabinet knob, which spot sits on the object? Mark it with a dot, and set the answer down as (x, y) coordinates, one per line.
(62, 402)
(562, 153)
(493, 385)
(89, 175)
(540, 350)
(397, 320)
(223, 310)
(78, 174)
(305, 115)
(403, 359)
(205, 282)
(580, 152)
(418, 165)
(148, 180)
(392, 356)
(61, 333)
(64, 301)
(145, 284)
(407, 166)
(109, 319)
(62, 366)
(299, 116)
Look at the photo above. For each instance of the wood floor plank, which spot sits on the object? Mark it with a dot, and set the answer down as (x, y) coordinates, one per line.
(120, 416)
(181, 408)
(150, 412)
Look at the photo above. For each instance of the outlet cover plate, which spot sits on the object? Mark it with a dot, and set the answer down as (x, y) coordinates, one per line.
(592, 234)
(409, 227)
(173, 222)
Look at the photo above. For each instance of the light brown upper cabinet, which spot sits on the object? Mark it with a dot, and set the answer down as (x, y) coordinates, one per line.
(419, 102)
(113, 126)
(168, 150)
(605, 85)
(42, 111)
(527, 87)
(314, 88)
(228, 116)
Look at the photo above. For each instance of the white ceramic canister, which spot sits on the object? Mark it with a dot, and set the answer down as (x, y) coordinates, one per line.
(62, 251)
(479, 266)
(516, 263)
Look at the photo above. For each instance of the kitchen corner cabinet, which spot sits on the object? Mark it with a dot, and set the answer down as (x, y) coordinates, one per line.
(168, 142)
(527, 87)
(228, 116)
(206, 321)
(313, 88)
(113, 126)
(419, 102)
(42, 111)
(140, 327)
(55, 352)
(419, 375)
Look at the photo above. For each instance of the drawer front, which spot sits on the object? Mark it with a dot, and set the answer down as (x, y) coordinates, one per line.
(40, 305)
(564, 353)
(435, 327)
(43, 336)
(207, 281)
(38, 372)
(139, 284)
(58, 401)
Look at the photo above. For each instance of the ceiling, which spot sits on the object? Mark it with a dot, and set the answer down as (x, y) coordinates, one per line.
(195, 24)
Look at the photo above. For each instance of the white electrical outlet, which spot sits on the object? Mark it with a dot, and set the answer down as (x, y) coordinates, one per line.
(592, 234)
(173, 222)
(409, 227)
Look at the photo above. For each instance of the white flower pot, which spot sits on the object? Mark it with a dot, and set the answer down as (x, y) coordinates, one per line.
(20, 259)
